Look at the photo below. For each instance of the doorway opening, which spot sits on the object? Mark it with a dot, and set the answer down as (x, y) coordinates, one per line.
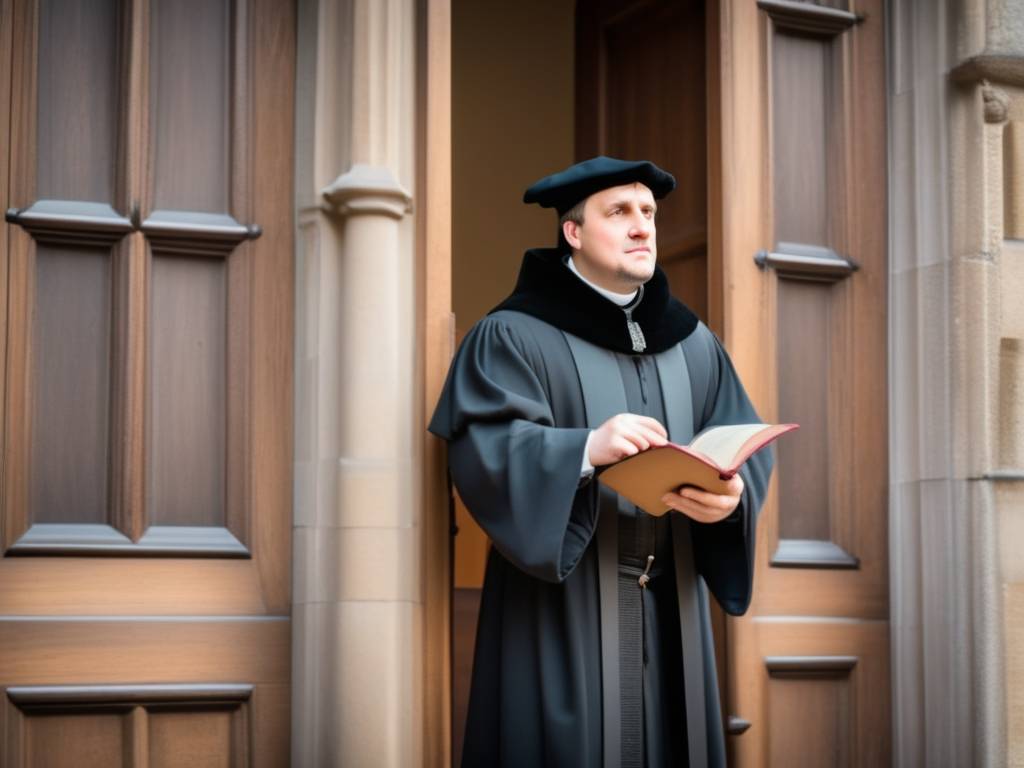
(536, 86)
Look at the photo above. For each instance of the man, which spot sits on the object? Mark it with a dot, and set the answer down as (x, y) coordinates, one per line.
(593, 646)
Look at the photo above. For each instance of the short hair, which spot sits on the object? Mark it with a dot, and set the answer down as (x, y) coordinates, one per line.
(574, 214)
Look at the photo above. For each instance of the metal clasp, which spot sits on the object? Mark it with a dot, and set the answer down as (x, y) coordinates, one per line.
(644, 577)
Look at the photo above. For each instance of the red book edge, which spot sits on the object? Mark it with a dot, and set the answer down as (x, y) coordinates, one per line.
(753, 444)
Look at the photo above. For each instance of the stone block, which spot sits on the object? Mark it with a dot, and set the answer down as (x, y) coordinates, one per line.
(335, 564)
(970, 27)
(932, 587)
(375, 493)
(1010, 502)
(377, 722)
(994, 200)
(380, 564)
(968, 170)
(306, 566)
(988, 662)
(1011, 403)
(309, 661)
(945, 616)
(917, 200)
(975, 314)
(921, 438)
(1004, 27)
(1013, 180)
(357, 685)
(1014, 629)
(1011, 284)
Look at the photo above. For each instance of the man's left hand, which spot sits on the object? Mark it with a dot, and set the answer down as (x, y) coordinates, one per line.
(705, 507)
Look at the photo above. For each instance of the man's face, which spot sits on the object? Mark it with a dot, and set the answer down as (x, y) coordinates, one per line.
(615, 246)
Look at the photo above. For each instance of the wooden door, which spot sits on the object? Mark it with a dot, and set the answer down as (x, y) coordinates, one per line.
(783, 177)
(802, 106)
(146, 332)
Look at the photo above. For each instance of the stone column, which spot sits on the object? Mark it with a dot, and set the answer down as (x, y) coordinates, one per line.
(945, 224)
(357, 645)
(957, 506)
(931, 707)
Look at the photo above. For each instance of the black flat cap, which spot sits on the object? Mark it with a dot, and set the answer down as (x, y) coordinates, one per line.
(564, 189)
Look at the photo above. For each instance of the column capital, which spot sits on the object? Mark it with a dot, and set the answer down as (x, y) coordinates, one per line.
(991, 67)
(367, 189)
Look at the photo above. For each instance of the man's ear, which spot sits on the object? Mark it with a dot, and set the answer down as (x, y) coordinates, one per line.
(571, 233)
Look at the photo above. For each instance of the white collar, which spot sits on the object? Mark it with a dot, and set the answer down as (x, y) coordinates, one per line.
(622, 299)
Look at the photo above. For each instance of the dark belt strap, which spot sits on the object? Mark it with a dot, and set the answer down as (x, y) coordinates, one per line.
(674, 375)
(631, 671)
(603, 397)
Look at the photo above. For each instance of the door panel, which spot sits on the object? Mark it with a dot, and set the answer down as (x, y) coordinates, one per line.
(153, 725)
(145, 512)
(79, 84)
(802, 95)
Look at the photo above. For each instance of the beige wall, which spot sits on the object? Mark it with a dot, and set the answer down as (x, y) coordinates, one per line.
(512, 122)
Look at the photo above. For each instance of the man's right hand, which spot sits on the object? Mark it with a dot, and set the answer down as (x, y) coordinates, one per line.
(625, 435)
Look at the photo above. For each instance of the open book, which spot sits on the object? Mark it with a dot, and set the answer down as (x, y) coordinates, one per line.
(708, 462)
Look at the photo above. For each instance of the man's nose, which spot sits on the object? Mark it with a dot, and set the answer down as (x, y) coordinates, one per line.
(641, 228)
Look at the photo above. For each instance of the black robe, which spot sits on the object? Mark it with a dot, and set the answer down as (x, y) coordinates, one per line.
(512, 411)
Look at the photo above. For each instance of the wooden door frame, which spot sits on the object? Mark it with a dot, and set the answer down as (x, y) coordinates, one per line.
(437, 327)
(436, 330)
(748, 316)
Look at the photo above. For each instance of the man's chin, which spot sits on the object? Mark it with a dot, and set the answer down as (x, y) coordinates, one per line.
(638, 276)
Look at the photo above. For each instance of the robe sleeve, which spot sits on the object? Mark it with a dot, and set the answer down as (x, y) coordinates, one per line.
(724, 551)
(517, 472)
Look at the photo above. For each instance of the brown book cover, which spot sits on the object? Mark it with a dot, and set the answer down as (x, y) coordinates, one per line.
(708, 462)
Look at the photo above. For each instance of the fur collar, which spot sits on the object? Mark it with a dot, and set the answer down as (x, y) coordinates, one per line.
(549, 291)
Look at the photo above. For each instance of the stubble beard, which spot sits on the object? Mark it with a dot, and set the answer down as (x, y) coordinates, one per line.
(635, 276)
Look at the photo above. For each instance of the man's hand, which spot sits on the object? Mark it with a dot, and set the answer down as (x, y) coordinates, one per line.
(706, 507)
(625, 435)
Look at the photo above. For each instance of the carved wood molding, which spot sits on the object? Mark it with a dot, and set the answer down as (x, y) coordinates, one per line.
(812, 553)
(804, 667)
(195, 541)
(797, 261)
(736, 725)
(808, 18)
(186, 233)
(71, 222)
(53, 697)
(157, 541)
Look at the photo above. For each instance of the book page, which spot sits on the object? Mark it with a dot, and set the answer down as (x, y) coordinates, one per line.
(721, 444)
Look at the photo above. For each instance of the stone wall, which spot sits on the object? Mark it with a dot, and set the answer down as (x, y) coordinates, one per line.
(957, 381)
(1010, 447)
